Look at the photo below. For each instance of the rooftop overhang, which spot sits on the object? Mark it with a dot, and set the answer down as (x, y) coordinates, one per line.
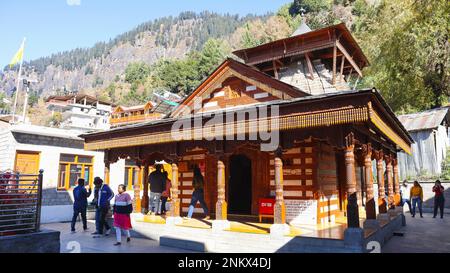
(78, 97)
(363, 108)
(319, 42)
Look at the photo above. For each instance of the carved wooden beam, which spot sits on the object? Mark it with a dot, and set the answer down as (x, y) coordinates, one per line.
(342, 69)
(275, 72)
(310, 66)
(349, 58)
(334, 63)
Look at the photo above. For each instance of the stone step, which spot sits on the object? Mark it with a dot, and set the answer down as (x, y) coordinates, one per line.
(175, 242)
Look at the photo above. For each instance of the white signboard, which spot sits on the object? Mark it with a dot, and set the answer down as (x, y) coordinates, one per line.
(301, 211)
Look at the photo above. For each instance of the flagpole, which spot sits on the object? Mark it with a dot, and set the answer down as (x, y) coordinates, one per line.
(18, 84)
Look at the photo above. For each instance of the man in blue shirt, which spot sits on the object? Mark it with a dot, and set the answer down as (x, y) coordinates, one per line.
(103, 196)
(80, 196)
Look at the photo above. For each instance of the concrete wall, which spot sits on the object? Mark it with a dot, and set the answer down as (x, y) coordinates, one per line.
(7, 155)
(45, 241)
(56, 204)
(117, 174)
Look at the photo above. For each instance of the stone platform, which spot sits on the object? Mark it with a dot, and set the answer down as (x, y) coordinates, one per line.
(197, 235)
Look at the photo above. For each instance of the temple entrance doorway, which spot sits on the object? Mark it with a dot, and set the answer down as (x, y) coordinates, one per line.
(240, 185)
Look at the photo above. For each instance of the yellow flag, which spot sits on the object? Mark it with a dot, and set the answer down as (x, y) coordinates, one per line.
(18, 57)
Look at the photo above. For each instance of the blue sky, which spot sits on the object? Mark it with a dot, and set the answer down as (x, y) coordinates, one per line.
(51, 26)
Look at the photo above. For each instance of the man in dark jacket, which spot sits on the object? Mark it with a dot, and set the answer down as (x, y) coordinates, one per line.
(80, 196)
(103, 196)
(157, 183)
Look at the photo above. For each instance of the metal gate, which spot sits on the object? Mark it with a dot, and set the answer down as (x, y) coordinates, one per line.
(20, 202)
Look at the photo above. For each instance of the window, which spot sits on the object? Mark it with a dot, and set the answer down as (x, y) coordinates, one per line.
(132, 175)
(72, 167)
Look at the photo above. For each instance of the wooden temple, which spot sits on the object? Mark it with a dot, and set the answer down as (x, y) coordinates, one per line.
(285, 124)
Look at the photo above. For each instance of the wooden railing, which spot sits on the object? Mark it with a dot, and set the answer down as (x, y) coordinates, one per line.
(135, 118)
(20, 203)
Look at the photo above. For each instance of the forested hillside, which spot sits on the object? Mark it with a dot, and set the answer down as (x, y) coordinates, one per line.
(94, 68)
(406, 42)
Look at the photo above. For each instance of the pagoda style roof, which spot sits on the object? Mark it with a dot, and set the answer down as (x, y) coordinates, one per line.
(302, 29)
(308, 112)
(321, 41)
(231, 67)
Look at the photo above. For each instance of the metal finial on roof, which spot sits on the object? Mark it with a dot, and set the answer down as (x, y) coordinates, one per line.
(302, 12)
(303, 28)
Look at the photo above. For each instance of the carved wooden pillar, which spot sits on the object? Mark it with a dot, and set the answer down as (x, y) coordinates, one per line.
(397, 197)
(175, 207)
(107, 166)
(350, 176)
(221, 205)
(279, 210)
(137, 192)
(379, 156)
(145, 197)
(370, 201)
(389, 173)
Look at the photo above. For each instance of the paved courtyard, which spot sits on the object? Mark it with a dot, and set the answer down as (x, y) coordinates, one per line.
(85, 243)
(422, 235)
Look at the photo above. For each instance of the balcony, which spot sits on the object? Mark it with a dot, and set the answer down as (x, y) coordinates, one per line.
(134, 118)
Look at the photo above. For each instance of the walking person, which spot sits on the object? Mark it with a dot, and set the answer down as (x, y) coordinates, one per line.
(197, 195)
(416, 195)
(80, 196)
(166, 193)
(157, 183)
(122, 209)
(439, 199)
(97, 211)
(105, 194)
(405, 193)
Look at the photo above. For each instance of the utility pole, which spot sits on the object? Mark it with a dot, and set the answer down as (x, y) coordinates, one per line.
(25, 103)
(18, 85)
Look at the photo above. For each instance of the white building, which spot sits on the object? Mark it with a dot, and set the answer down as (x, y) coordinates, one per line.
(80, 112)
(28, 148)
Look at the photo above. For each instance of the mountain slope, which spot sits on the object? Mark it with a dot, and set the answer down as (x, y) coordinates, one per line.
(97, 67)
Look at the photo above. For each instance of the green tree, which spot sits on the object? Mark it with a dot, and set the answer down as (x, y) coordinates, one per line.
(2, 104)
(409, 50)
(213, 53)
(310, 6)
(55, 120)
(136, 72)
(293, 20)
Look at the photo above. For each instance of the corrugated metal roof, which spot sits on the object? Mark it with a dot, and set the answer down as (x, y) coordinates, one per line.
(426, 120)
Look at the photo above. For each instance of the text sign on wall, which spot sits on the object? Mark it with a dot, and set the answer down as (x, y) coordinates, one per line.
(266, 206)
(301, 211)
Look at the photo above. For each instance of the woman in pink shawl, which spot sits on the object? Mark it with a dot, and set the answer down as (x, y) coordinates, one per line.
(122, 210)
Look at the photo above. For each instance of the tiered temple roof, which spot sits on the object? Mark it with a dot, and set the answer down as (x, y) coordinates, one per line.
(315, 61)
